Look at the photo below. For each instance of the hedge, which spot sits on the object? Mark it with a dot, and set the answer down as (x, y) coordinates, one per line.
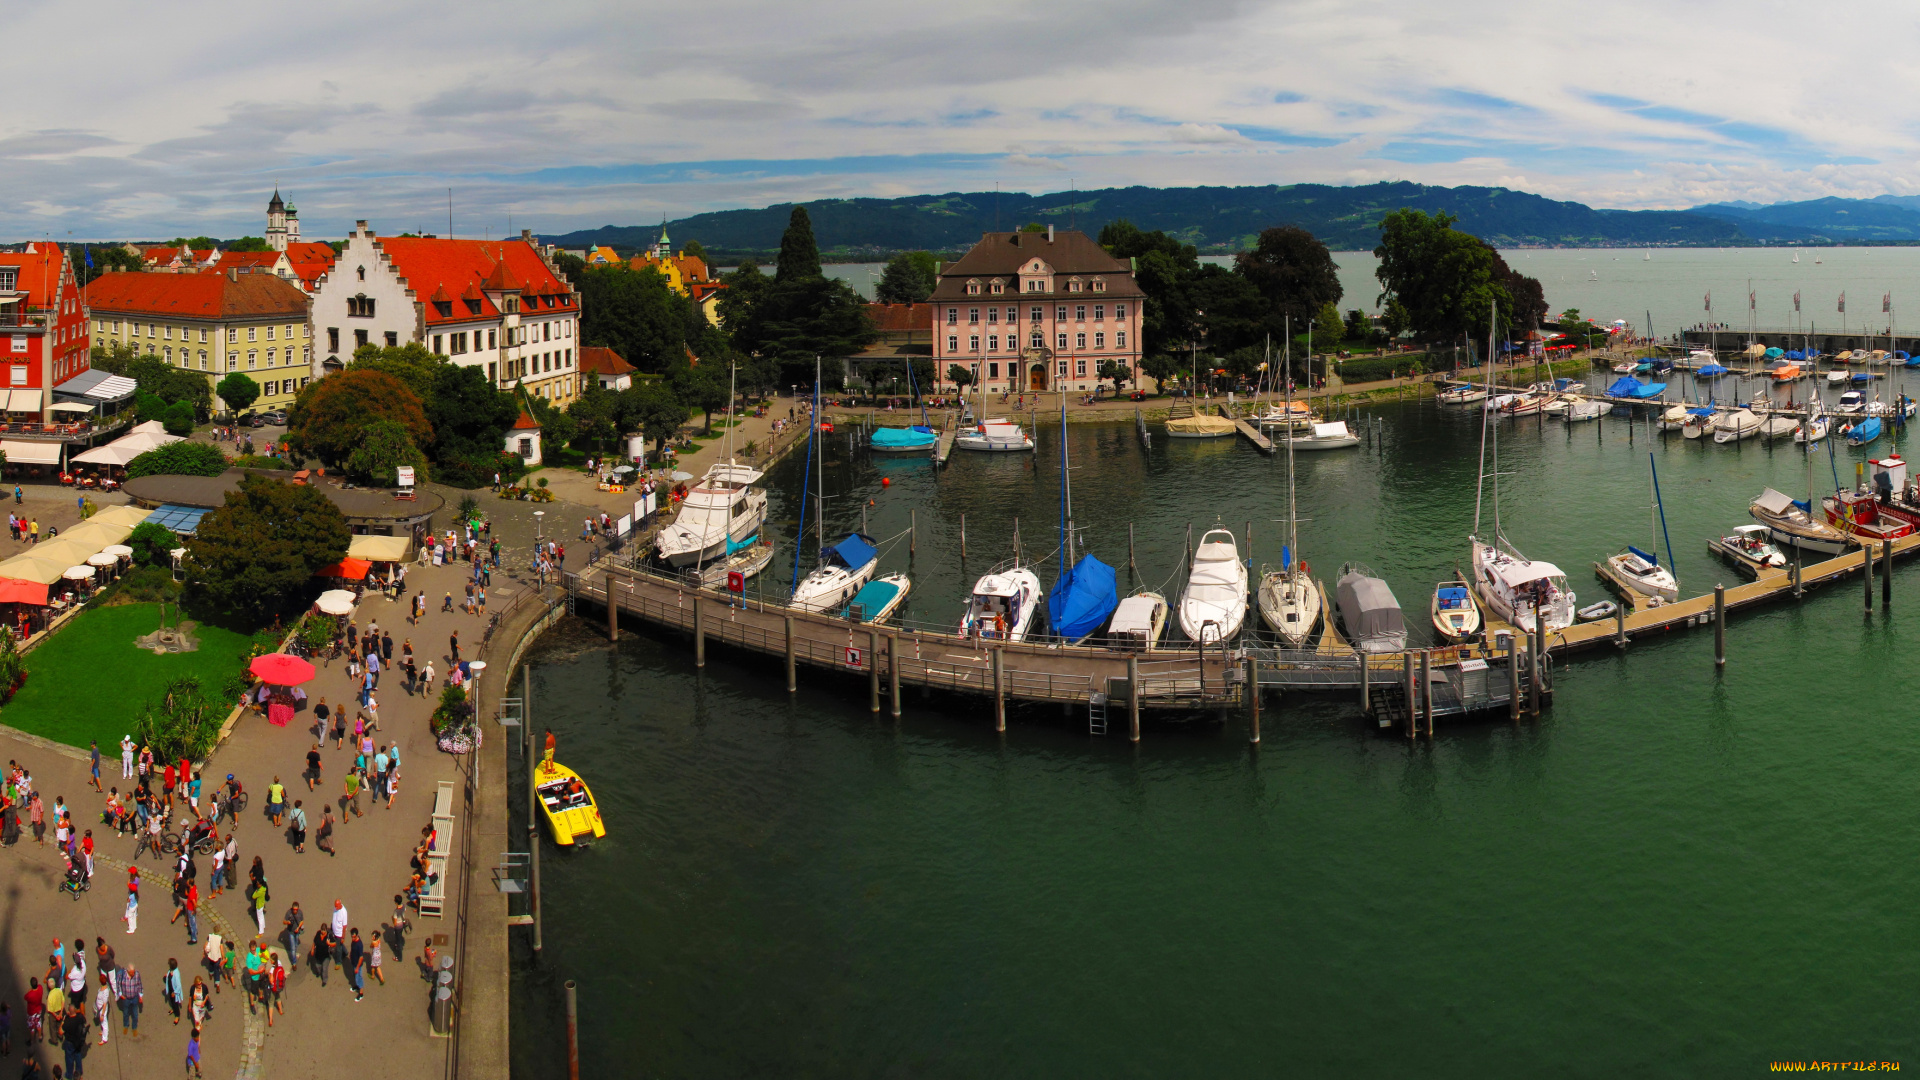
(1375, 368)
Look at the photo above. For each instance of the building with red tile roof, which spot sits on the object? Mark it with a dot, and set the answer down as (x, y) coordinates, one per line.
(214, 323)
(43, 330)
(603, 365)
(523, 439)
(497, 304)
(309, 260)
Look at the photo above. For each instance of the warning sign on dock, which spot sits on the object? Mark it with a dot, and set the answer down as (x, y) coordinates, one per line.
(853, 657)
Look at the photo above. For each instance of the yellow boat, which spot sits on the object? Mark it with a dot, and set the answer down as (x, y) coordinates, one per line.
(567, 802)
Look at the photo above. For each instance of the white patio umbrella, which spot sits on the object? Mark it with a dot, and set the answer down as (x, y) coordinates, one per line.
(118, 550)
(102, 559)
(336, 602)
(78, 573)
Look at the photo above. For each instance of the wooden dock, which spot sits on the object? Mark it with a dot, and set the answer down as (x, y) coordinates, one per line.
(943, 447)
(1250, 431)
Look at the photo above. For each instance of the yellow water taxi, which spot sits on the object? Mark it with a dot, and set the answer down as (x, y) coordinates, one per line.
(567, 802)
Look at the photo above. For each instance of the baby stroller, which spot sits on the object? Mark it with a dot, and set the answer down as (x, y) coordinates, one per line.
(76, 880)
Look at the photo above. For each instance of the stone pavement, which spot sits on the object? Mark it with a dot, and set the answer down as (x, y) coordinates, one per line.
(324, 1032)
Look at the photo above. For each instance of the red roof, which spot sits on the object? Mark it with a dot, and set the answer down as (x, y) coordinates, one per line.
(310, 260)
(597, 360)
(264, 259)
(160, 254)
(525, 422)
(466, 267)
(197, 296)
(901, 316)
(40, 271)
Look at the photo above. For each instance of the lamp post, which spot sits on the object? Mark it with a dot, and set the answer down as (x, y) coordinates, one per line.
(539, 524)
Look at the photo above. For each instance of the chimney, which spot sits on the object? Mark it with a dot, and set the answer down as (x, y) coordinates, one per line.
(1049, 234)
(233, 273)
(527, 235)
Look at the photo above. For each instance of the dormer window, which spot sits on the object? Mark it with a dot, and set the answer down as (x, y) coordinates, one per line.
(513, 305)
(473, 307)
(973, 288)
(444, 307)
(1074, 285)
(998, 288)
(1099, 284)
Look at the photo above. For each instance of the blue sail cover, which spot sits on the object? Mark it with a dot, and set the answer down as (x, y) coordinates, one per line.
(742, 545)
(853, 552)
(1650, 390)
(1623, 387)
(911, 438)
(1083, 599)
(1711, 371)
(1864, 432)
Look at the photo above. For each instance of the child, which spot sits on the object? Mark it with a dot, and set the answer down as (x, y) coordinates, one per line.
(193, 1050)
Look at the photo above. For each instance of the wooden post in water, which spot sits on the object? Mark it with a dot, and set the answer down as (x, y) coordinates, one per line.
(1016, 540)
(893, 672)
(873, 671)
(1513, 673)
(1133, 698)
(1886, 575)
(963, 536)
(863, 517)
(1796, 568)
(1189, 560)
(999, 692)
(1866, 563)
(1253, 701)
(1620, 626)
(1536, 647)
(1130, 563)
(913, 532)
(613, 609)
(792, 682)
(1720, 625)
(1366, 705)
(699, 633)
(1426, 689)
(1413, 710)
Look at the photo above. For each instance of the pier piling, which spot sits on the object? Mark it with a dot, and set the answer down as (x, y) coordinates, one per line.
(793, 682)
(1133, 699)
(1366, 694)
(1886, 575)
(613, 609)
(1130, 563)
(1866, 562)
(1426, 690)
(1620, 626)
(699, 633)
(573, 1031)
(1797, 591)
(1406, 672)
(963, 536)
(913, 532)
(1513, 675)
(893, 672)
(999, 692)
(1720, 625)
(1536, 644)
(1253, 701)
(1016, 540)
(873, 671)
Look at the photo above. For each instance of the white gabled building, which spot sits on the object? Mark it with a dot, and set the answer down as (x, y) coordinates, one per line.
(495, 304)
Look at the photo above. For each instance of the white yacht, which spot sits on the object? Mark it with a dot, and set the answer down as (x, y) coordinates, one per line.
(720, 514)
(1214, 603)
(995, 434)
(1138, 622)
(1332, 435)
(1002, 605)
(1522, 591)
(1640, 572)
(843, 569)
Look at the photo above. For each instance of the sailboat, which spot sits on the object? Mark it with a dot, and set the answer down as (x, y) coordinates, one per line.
(1792, 524)
(1796, 256)
(1085, 596)
(1636, 571)
(992, 433)
(1329, 435)
(1533, 596)
(722, 514)
(1288, 598)
(1214, 602)
(915, 438)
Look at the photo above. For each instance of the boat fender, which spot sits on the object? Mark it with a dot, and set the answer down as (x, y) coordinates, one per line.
(886, 481)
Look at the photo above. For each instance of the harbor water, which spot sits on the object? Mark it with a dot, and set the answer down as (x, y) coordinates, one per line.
(1675, 872)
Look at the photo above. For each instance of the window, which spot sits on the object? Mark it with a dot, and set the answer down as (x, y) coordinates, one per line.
(362, 271)
(437, 345)
(1060, 341)
(1080, 313)
(1061, 369)
(993, 314)
(569, 361)
(253, 359)
(203, 360)
(1079, 341)
(1120, 311)
(1037, 313)
(1120, 339)
(289, 334)
(359, 338)
(993, 342)
(269, 388)
(233, 335)
(974, 370)
(153, 330)
(973, 343)
(998, 288)
(1037, 341)
(1073, 286)
(1060, 313)
(167, 332)
(513, 305)
(953, 343)
(333, 339)
(973, 314)
(1099, 284)
(306, 354)
(493, 375)
(203, 335)
(973, 288)
(18, 376)
(993, 371)
(459, 344)
(253, 333)
(1099, 340)
(1033, 284)
(270, 353)
(168, 353)
(1080, 368)
(393, 339)
(953, 316)
(269, 333)
(9, 277)
(1013, 314)
(233, 361)
(490, 344)
(546, 331)
(359, 307)
(1099, 312)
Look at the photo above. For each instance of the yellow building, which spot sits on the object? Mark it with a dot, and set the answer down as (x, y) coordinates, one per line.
(212, 323)
(602, 256)
(685, 274)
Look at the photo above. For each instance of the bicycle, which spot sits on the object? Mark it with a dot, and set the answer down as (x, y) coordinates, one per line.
(171, 842)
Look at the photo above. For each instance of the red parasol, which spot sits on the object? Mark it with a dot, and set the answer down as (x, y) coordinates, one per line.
(279, 669)
(351, 569)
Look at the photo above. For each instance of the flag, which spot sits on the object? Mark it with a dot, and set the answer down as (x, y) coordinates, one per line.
(1886, 303)
(88, 252)
(1843, 303)
(1750, 300)
(1796, 300)
(1709, 300)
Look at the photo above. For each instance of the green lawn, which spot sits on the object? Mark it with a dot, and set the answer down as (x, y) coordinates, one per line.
(89, 680)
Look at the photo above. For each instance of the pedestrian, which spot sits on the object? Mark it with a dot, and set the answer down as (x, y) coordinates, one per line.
(426, 676)
(320, 956)
(373, 960)
(373, 713)
(386, 647)
(103, 1001)
(73, 1038)
(132, 996)
(276, 985)
(291, 925)
(36, 814)
(324, 838)
(357, 965)
(313, 766)
(193, 794)
(447, 604)
(170, 988)
(35, 999)
(190, 905)
(276, 801)
(219, 873)
(258, 896)
(93, 755)
(166, 783)
(352, 801)
(339, 727)
(132, 916)
(453, 645)
(193, 1050)
(198, 1002)
(299, 825)
(233, 860)
(256, 977)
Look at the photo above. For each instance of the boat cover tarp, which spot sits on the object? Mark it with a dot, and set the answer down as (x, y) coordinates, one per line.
(872, 598)
(1652, 389)
(1623, 387)
(1703, 410)
(853, 552)
(1082, 599)
(1709, 371)
(1652, 560)
(1773, 502)
(742, 545)
(1865, 431)
(1134, 615)
(1368, 607)
(912, 437)
(1336, 429)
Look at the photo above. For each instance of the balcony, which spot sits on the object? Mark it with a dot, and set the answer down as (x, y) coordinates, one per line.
(77, 432)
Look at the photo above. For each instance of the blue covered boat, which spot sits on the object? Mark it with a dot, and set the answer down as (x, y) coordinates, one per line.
(1862, 377)
(1710, 371)
(903, 440)
(1635, 389)
(1083, 599)
(1864, 432)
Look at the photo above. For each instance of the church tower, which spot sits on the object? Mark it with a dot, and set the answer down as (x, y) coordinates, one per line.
(277, 222)
(663, 249)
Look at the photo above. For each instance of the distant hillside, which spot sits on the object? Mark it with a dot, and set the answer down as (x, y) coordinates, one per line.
(1211, 218)
(1889, 219)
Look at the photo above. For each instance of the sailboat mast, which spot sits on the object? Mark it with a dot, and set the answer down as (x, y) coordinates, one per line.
(820, 454)
(1493, 319)
(1293, 506)
(813, 432)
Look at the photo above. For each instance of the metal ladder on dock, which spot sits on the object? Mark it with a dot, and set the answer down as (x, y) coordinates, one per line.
(1096, 713)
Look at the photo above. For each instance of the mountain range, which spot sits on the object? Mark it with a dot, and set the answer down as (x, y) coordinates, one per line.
(1223, 219)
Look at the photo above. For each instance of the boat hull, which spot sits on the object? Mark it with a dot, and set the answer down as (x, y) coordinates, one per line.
(567, 804)
(1290, 606)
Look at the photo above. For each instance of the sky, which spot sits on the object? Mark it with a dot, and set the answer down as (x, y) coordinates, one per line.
(154, 121)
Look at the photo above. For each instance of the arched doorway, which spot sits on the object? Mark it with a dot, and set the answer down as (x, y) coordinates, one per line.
(1037, 378)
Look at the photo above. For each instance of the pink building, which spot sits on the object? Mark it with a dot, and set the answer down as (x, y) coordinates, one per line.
(1031, 312)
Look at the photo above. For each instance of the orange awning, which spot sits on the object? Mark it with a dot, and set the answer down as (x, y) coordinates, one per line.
(16, 591)
(351, 569)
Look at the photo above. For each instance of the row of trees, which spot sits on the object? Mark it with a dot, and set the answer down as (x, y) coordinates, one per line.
(403, 405)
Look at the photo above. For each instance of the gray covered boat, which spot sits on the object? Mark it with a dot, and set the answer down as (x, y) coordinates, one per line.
(1369, 614)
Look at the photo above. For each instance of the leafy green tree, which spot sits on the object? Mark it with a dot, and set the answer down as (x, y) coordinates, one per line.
(384, 447)
(197, 243)
(1161, 368)
(803, 314)
(652, 409)
(637, 313)
(1395, 319)
(960, 375)
(1448, 280)
(1229, 313)
(253, 556)
(799, 258)
(695, 249)
(558, 428)
(152, 544)
(746, 287)
(1163, 267)
(571, 267)
(330, 417)
(249, 243)
(1359, 327)
(186, 458)
(1328, 326)
(1120, 373)
(908, 279)
(702, 386)
(107, 259)
(157, 377)
(1293, 271)
(238, 391)
(148, 407)
(470, 420)
(411, 363)
(596, 417)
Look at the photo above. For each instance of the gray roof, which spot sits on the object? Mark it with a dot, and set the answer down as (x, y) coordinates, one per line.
(374, 506)
(1001, 255)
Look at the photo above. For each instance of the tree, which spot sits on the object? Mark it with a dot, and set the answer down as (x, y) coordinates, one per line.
(1294, 271)
(185, 458)
(249, 243)
(799, 258)
(470, 420)
(1229, 313)
(1120, 373)
(652, 409)
(558, 428)
(695, 249)
(1395, 319)
(637, 313)
(1447, 279)
(106, 259)
(1159, 367)
(960, 375)
(152, 544)
(384, 447)
(410, 363)
(802, 314)
(1328, 325)
(195, 243)
(596, 417)
(1163, 268)
(238, 391)
(746, 286)
(703, 386)
(183, 723)
(148, 407)
(571, 267)
(908, 279)
(1359, 327)
(253, 556)
(157, 377)
(330, 417)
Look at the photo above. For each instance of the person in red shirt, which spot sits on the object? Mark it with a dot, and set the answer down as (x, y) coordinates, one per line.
(190, 903)
(166, 782)
(86, 848)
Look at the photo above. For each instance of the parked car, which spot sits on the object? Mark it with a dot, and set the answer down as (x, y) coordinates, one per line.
(275, 416)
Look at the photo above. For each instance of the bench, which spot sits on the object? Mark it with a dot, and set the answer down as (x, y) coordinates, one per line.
(434, 900)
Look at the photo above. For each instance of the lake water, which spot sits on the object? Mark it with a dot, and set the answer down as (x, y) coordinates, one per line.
(1614, 283)
(1674, 873)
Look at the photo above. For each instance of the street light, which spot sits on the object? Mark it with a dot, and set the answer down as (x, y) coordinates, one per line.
(538, 524)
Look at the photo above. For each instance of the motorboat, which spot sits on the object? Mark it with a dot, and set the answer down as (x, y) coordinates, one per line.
(1138, 622)
(1735, 426)
(1214, 603)
(1585, 409)
(1863, 431)
(1639, 572)
(1525, 405)
(1455, 615)
(1369, 614)
(1002, 605)
(1082, 599)
(1836, 376)
(1625, 367)
(1525, 592)
(844, 568)
(566, 803)
(1851, 403)
(1862, 515)
(1700, 421)
(903, 440)
(1289, 604)
(878, 599)
(1332, 435)
(724, 510)
(1673, 419)
(994, 435)
(1778, 427)
(1499, 402)
(1464, 394)
(1792, 525)
(1751, 548)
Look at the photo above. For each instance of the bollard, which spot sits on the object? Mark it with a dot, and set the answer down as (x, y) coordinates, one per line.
(1536, 645)
(1253, 701)
(1413, 715)
(1886, 575)
(1133, 699)
(573, 1031)
(1513, 674)
(699, 633)
(873, 671)
(1720, 625)
(999, 692)
(1866, 563)
(613, 610)
(1426, 689)
(442, 1012)
(1620, 626)
(792, 682)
